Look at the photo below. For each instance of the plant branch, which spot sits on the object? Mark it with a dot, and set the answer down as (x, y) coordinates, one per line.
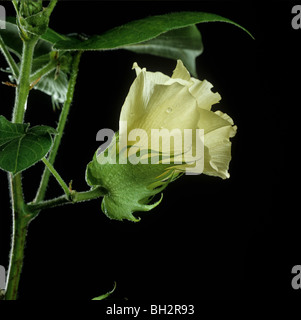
(57, 177)
(60, 128)
(59, 201)
(74, 197)
(9, 59)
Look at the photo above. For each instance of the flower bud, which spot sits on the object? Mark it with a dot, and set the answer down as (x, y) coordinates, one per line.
(29, 8)
(32, 18)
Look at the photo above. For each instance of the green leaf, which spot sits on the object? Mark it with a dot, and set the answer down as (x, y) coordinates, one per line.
(104, 296)
(21, 146)
(141, 30)
(129, 188)
(52, 36)
(184, 44)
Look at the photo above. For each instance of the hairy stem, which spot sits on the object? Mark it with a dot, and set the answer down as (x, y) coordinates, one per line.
(74, 197)
(60, 128)
(23, 86)
(20, 223)
(20, 217)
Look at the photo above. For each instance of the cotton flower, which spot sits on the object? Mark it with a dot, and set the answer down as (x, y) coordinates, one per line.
(157, 101)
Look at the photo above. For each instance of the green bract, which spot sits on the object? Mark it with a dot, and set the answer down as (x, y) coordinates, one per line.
(129, 187)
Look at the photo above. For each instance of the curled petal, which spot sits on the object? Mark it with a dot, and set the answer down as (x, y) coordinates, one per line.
(218, 148)
(201, 90)
(205, 97)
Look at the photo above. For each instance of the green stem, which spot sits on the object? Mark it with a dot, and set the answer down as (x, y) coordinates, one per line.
(9, 59)
(24, 80)
(75, 197)
(58, 178)
(20, 223)
(60, 128)
(88, 195)
(20, 232)
(20, 217)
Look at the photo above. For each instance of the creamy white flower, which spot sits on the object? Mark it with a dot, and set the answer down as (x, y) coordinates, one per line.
(157, 101)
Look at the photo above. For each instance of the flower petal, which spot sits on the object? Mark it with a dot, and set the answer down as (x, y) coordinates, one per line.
(156, 101)
(210, 121)
(156, 77)
(217, 151)
(152, 105)
(181, 72)
(202, 91)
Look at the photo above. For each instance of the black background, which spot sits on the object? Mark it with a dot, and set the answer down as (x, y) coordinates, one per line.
(209, 238)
